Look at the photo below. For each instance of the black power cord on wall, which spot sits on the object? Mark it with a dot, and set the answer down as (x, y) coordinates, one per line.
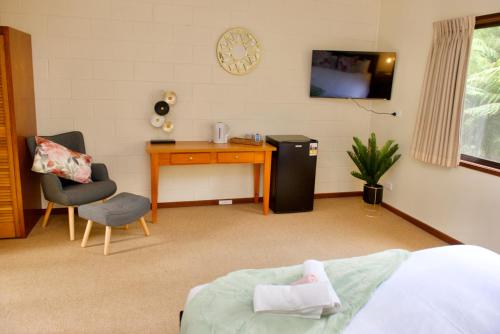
(371, 110)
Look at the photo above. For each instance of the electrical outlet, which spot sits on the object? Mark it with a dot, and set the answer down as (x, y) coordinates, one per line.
(225, 201)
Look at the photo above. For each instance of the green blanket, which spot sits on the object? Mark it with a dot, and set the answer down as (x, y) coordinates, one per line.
(226, 304)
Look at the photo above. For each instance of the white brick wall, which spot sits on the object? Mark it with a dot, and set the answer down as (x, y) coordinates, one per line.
(100, 65)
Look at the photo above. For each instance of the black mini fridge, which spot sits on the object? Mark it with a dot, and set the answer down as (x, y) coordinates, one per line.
(293, 172)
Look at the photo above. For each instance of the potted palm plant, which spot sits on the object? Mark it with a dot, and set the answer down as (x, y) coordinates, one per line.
(372, 163)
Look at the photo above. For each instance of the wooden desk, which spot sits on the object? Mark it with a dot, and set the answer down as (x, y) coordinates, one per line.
(199, 152)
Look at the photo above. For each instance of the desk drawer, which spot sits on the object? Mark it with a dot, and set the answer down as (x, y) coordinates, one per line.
(189, 158)
(235, 157)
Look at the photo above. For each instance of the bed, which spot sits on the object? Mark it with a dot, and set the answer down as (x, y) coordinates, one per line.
(445, 290)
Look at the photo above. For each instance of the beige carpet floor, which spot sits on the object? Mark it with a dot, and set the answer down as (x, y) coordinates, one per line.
(49, 284)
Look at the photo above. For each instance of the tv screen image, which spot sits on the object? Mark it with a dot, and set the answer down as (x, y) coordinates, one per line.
(352, 74)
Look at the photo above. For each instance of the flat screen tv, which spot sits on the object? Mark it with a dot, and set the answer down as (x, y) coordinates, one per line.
(352, 74)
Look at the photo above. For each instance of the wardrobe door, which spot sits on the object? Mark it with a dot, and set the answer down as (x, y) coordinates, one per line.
(8, 200)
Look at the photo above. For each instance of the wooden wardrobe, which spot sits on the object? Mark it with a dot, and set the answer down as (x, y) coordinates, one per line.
(19, 187)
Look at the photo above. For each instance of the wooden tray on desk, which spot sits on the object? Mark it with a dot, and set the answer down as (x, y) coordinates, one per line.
(246, 141)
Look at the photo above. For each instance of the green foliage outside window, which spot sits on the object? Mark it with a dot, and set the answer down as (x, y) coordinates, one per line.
(481, 117)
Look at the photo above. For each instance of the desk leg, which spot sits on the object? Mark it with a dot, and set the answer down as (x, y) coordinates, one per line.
(267, 182)
(256, 182)
(155, 169)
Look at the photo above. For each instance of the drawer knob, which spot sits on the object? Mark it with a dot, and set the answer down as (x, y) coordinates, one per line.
(236, 156)
(190, 158)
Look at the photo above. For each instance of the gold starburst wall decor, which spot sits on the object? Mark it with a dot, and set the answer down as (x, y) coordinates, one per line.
(238, 51)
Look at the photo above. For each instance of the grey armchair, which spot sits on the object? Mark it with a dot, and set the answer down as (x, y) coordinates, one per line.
(68, 193)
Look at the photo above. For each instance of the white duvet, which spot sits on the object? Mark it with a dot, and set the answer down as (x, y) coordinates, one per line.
(445, 290)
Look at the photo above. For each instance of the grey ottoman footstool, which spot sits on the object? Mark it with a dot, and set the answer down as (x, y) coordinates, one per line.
(120, 210)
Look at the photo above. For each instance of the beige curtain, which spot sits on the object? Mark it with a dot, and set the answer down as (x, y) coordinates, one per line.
(437, 133)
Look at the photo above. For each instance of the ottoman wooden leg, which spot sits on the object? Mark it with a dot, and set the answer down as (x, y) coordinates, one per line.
(71, 219)
(87, 233)
(107, 239)
(144, 226)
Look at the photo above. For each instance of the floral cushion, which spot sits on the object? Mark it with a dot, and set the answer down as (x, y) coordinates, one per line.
(52, 158)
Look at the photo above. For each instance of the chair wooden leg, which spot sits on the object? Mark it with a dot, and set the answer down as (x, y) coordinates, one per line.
(50, 205)
(87, 233)
(144, 226)
(71, 219)
(107, 239)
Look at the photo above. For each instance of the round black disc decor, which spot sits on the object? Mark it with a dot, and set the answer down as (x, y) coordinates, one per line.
(162, 108)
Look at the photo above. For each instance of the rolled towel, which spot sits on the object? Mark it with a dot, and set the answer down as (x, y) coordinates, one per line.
(305, 280)
(317, 269)
(302, 300)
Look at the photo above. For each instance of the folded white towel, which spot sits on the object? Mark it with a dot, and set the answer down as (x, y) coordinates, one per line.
(303, 300)
(316, 268)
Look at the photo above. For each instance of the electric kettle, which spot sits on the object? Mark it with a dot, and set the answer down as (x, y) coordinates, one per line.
(221, 133)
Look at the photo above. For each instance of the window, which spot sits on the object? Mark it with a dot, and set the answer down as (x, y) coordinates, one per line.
(480, 133)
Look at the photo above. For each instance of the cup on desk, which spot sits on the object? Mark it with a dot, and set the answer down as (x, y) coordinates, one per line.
(257, 137)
